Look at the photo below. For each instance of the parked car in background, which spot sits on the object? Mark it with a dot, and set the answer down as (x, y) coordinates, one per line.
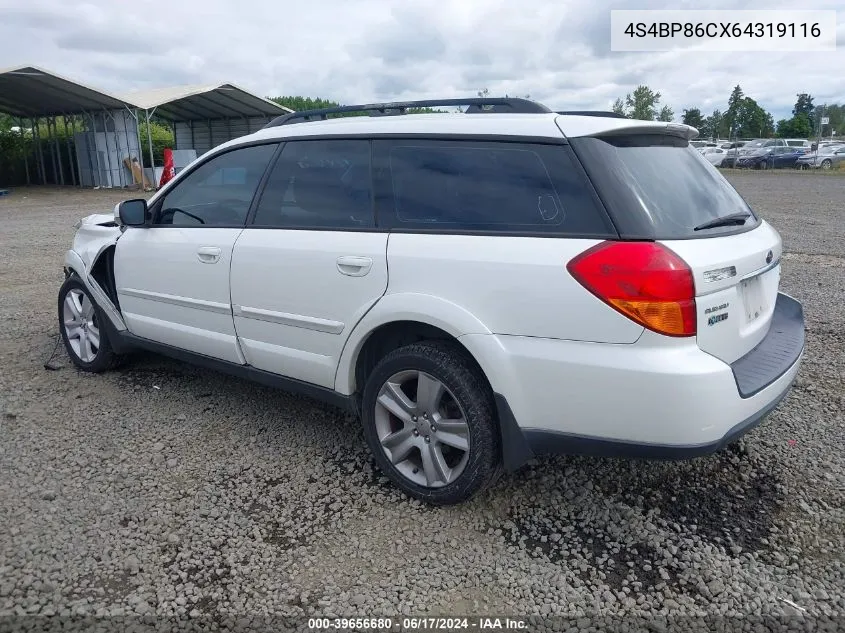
(699, 145)
(770, 158)
(761, 143)
(799, 143)
(715, 155)
(826, 158)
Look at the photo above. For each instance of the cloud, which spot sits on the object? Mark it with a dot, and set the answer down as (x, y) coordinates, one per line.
(376, 50)
(108, 43)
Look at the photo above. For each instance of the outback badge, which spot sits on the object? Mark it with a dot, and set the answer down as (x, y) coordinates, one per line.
(716, 318)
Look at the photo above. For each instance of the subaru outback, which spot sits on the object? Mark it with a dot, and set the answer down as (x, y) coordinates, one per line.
(480, 287)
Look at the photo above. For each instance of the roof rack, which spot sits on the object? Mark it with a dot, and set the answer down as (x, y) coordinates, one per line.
(476, 105)
(601, 113)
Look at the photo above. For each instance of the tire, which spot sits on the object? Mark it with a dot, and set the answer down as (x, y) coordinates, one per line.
(401, 426)
(827, 164)
(86, 342)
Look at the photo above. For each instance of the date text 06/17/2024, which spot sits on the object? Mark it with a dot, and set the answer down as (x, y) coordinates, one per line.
(418, 624)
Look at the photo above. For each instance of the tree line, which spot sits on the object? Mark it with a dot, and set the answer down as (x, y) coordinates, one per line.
(743, 118)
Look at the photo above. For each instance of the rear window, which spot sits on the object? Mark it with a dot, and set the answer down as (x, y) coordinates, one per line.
(658, 187)
(488, 187)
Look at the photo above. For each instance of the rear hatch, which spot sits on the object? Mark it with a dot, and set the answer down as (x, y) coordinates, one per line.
(657, 187)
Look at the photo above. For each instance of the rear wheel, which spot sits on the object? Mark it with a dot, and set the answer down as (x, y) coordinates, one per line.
(80, 324)
(429, 420)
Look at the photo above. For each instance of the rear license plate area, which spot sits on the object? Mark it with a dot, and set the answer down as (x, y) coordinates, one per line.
(753, 298)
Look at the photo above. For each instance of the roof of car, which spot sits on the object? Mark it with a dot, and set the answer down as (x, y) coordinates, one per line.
(546, 125)
(493, 117)
(538, 125)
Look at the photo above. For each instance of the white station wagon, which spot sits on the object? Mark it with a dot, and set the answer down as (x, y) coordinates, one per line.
(481, 286)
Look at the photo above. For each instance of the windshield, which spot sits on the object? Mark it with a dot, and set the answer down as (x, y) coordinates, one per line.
(658, 187)
(754, 144)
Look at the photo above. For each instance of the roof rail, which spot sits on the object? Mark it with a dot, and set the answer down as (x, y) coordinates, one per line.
(476, 105)
(601, 113)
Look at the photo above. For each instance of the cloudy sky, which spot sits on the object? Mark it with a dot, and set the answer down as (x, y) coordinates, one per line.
(558, 51)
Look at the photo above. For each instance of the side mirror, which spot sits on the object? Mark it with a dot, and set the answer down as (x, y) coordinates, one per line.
(132, 212)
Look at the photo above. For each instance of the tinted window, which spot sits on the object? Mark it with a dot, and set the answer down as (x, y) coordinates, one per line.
(485, 186)
(658, 187)
(219, 192)
(319, 184)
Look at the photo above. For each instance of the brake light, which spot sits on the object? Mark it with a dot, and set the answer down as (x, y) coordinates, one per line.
(644, 281)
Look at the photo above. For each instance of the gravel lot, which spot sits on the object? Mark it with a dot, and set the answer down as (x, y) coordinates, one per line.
(163, 490)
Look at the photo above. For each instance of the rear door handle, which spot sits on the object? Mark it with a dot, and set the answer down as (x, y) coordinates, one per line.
(208, 254)
(354, 266)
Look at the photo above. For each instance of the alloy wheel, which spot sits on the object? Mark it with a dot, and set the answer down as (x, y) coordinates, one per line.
(81, 328)
(422, 429)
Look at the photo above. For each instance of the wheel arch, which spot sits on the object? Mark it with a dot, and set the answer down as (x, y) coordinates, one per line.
(407, 312)
(99, 279)
(376, 335)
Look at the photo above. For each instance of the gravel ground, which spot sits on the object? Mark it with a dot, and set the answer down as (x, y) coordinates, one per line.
(168, 491)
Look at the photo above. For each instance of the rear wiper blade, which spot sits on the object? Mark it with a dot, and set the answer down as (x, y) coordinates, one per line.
(725, 220)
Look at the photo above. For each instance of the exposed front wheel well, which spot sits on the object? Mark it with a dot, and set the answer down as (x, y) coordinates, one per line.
(103, 273)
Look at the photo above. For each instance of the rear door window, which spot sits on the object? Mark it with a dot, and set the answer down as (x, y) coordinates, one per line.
(320, 184)
(482, 186)
(659, 187)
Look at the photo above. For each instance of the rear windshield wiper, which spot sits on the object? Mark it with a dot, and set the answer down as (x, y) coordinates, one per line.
(725, 220)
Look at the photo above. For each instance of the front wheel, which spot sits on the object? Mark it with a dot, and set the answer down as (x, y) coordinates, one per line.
(827, 164)
(429, 420)
(80, 324)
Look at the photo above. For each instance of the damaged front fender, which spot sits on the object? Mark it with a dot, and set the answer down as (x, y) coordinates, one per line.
(95, 234)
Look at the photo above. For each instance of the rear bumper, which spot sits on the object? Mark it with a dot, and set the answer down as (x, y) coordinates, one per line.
(776, 353)
(540, 442)
(657, 398)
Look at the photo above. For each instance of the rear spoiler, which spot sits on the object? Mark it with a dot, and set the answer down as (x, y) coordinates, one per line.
(575, 126)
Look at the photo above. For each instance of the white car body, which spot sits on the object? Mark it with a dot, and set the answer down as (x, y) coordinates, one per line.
(569, 372)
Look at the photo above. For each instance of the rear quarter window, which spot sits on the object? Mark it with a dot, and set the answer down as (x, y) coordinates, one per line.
(480, 186)
(659, 187)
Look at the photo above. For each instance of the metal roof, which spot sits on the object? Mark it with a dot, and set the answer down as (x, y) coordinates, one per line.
(200, 103)
(29, 91)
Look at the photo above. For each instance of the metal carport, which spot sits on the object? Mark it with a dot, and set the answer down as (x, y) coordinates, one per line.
(206, 116)
(108, 127)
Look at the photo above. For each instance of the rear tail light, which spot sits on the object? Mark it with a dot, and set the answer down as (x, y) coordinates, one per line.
(644, 281)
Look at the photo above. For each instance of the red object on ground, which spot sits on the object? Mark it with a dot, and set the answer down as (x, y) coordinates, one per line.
(169, 170)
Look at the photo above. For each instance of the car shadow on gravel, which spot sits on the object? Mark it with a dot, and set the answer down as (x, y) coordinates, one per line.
(618, 518)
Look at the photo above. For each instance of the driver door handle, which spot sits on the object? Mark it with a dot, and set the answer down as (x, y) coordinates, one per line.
(208, 254)
(354, 266)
